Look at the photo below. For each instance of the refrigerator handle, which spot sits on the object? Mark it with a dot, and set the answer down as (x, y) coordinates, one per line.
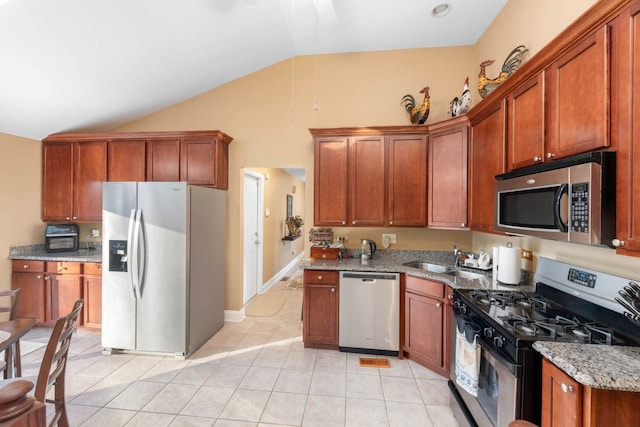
(142, 246)
(136, 254)
(130, 258)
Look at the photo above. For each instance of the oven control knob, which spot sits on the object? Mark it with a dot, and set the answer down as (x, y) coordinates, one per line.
(488, 332)
(498, 341)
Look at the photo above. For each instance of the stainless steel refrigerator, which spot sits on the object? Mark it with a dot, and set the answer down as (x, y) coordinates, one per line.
(163, 257)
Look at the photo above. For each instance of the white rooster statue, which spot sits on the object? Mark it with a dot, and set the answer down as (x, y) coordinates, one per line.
(461, 105)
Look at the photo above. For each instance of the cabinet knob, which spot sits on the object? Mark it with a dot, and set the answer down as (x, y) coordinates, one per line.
(617, 242)
(566, 388)
(62, 268)
(390, 222)
(353, 223)
(449, 296)
(68, 218)
(438, 305)
(46, 277)
(333, 289)
(324, 255)
(551, 156)
(39, 276)
(25, 266)
(319, 277)
(537, 159)
(463, 224)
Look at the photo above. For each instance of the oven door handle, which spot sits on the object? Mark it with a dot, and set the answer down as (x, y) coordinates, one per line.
(492, 357)
(557, 214)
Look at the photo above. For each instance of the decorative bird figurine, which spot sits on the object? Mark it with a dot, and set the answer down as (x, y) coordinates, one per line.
(418, 115)
(461, 105)
(511, 64)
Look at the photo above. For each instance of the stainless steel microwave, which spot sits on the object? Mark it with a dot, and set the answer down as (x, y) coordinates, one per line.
(571, 199)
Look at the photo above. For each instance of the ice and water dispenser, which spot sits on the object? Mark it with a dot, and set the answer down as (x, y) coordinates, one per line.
(118, 255)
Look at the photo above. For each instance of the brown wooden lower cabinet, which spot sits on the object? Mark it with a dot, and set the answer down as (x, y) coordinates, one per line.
(320, 309)
(567, 403)
(427, 323)
(49, 290)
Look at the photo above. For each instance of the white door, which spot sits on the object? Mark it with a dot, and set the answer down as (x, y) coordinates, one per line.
(252, 234)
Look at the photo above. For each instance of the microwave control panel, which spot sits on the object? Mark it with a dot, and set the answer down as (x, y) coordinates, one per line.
(580, 207)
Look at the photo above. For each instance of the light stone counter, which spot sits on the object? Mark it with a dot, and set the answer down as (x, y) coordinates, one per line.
(392, 261)
(39, 253)
(599, 366)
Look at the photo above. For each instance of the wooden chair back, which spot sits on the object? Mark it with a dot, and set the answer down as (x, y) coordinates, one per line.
(54, 365)
(12, 362)
(14, 300)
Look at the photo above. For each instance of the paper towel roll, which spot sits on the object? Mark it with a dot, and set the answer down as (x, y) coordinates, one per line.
(509, 265)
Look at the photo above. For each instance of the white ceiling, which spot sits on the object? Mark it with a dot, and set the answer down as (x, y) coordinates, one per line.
(72, 65)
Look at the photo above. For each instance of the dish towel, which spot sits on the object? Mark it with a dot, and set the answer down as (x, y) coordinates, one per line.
(467, 363)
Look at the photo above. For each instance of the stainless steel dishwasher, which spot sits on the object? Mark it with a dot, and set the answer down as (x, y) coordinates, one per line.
(369, 312)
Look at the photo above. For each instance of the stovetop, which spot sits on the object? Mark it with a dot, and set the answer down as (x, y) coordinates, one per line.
(570, 304)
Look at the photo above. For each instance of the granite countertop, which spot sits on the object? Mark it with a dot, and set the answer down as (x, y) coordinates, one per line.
(39, 253)
(609, 367)
(391, 261)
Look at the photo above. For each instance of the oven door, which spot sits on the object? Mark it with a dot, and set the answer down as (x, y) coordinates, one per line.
(499, 389)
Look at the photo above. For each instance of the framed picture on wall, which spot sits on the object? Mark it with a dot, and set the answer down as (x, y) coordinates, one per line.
(289, 206)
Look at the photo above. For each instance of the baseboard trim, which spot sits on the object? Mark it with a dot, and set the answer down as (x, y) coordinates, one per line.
(234, 315)
(281, 273)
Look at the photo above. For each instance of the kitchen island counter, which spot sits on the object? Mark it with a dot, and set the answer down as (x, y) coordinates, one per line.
(609, 367)
(39, 253)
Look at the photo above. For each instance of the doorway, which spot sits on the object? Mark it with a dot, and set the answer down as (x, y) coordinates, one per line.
(252, 234)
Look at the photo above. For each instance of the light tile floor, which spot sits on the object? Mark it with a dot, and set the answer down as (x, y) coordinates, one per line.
(252, 373)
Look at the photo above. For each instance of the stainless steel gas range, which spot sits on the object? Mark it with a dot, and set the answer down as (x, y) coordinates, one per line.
(569, 304)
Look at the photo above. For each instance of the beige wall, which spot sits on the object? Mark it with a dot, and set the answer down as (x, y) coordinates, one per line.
(278, 253)
(20, 184)
(269, 113)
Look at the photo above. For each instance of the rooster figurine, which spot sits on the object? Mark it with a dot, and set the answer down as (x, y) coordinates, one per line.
(418, 115)
(511, 64)
(461, 105)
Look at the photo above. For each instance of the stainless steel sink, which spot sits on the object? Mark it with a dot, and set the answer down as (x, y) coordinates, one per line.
(469, 275)
(422, 265)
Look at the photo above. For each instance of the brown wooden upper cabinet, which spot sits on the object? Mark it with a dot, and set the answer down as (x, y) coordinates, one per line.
(577, 98)
(74, 166)
(626, 93)
(370, 177)
(525, 138)
(72, 177)
(448, 174)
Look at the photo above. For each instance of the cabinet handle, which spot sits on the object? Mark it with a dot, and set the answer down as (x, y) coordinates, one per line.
(566, 388)
(551, 156)
(617, 242)
(25, 266)
(333, 289)
(47, 277)
(68, 218)
(537, 159)
(39, 276)
(449, 296)
(61, 268)
(344, 222)
(319, 277)
(75, 217)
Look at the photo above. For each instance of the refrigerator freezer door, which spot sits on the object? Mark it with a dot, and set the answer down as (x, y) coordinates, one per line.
(162, 308)
(118, 303)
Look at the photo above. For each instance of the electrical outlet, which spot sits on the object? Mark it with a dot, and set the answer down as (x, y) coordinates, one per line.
(391, 237)
(95, 233)
(526, 254)
(342, 239)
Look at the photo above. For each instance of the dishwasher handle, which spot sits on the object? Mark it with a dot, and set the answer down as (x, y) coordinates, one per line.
(370, 277)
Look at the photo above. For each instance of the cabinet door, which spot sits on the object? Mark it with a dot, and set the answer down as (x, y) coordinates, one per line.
(561, 398)
(627, 101)
(89, 172)
(32, 295)
(366, 167)
(423, 330)
(525, 145)
(577, 104)
(320, 309)
(448, 168)
(126, 160)
(65, 291)
(57, 181)
(197, 161)
(330, 182)
(92, 287)
(163, 160)
(487, 161)
(407, 180)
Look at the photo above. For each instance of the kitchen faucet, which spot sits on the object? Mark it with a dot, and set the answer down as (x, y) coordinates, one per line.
(456, 256)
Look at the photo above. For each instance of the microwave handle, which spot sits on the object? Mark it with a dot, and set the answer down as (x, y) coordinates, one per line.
(563, 189)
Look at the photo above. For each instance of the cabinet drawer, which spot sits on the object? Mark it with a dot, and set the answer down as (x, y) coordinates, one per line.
(324, 253)
(321, 276)
(426, 287)
(64, 267)
(27, 266)
(93, 268)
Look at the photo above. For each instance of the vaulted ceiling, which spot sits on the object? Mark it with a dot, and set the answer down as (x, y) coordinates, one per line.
(72, 65)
